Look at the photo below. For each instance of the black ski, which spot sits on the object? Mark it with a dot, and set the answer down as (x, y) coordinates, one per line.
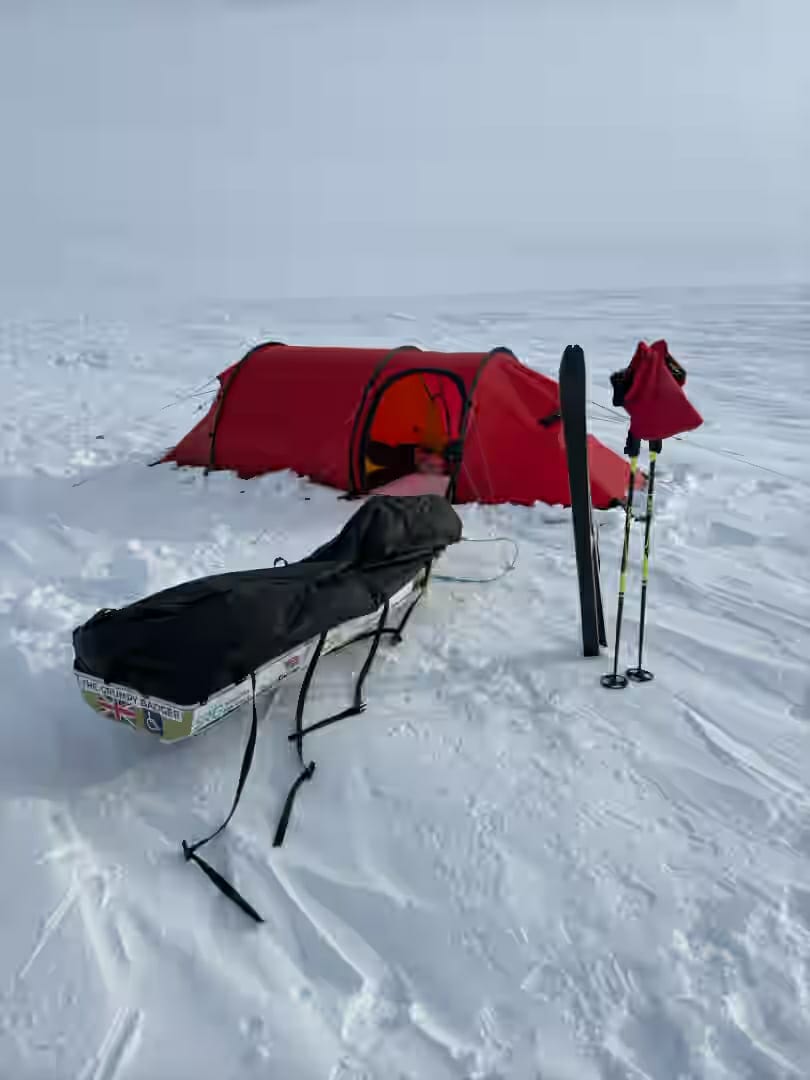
(573, 397)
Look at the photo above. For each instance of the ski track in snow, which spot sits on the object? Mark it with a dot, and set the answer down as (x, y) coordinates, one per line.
(500, 870)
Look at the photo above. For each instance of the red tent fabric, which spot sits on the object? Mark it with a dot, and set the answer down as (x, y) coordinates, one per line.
(335, 414)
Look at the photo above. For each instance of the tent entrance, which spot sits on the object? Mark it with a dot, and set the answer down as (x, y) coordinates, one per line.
(412, 418)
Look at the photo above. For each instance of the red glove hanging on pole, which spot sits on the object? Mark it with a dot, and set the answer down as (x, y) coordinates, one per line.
(651, 390)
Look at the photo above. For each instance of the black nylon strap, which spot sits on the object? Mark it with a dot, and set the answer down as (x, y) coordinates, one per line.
(357, 706)
(284, 820)
(190, 850)
(298, 737)
(223, 885)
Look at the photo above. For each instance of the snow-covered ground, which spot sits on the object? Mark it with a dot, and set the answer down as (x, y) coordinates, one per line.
(501, 871)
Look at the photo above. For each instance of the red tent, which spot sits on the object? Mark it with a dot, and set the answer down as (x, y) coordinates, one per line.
(353, 418)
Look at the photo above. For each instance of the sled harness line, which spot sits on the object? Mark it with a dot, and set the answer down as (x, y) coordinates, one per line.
(358, 706)
(190, 850)
(307, 769)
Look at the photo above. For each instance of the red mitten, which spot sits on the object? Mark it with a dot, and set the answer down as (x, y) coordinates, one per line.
(651, 390)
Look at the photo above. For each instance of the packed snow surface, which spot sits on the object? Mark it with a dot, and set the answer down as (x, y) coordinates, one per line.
(501, 870)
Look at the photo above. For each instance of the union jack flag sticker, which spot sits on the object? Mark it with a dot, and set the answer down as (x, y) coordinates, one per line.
(118, 711)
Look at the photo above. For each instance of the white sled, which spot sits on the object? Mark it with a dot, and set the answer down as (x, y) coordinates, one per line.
(171, 721)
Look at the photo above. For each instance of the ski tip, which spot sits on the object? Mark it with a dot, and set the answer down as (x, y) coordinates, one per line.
(573, 351)
(572, 364)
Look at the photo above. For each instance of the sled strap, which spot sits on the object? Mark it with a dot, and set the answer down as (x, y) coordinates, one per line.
(358, 706)
(298, 736)
(190, 850)
(393, 632)
(284, 820)
(397, 631)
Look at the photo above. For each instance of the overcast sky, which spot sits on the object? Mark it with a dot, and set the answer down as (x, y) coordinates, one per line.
(228, 148)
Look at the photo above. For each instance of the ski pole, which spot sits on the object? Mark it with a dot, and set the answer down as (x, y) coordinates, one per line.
(613, 680)
(638, 673)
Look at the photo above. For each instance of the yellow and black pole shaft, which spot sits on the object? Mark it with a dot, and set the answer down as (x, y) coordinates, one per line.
(638, 673)
(613, 680)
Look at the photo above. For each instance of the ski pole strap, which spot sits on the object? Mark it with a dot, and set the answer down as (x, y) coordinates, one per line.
(632, 446)
(190, 850)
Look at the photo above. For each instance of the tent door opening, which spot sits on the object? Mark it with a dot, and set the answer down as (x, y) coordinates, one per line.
(413, 417)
